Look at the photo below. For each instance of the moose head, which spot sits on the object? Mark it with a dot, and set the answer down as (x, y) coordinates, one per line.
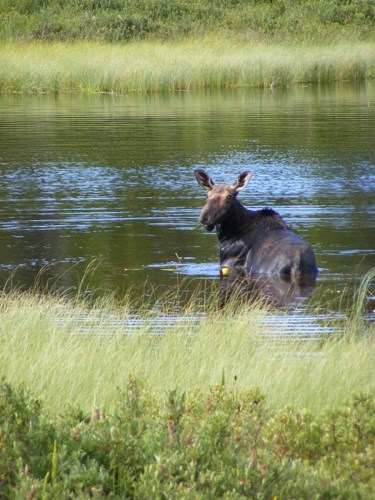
(221, 199)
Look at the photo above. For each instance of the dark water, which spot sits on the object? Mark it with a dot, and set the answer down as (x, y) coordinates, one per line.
(110, 177)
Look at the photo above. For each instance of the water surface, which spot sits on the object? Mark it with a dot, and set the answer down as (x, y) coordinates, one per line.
(110, 177)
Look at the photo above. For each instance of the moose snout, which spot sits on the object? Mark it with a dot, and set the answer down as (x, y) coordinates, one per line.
(207, 220)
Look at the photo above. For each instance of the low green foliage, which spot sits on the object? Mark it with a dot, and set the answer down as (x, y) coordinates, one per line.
(123, 20)
(25, 438)
(219, 443)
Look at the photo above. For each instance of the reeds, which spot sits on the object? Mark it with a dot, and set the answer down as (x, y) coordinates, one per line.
(183, 65)
(362, 293)
(68, 352)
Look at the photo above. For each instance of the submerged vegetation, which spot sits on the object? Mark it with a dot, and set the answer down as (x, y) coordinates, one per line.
(126, 46)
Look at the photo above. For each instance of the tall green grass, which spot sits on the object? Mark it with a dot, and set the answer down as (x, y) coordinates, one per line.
(68, 352)
(185, 65)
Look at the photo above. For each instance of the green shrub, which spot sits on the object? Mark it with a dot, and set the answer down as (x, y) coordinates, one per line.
(26, 438)
(115, 20)
(221, 443)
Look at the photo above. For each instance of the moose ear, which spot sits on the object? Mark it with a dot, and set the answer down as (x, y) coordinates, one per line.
(203, 179)
(242, 180)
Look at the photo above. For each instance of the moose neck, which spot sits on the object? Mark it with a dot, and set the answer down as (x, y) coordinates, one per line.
(236, 221)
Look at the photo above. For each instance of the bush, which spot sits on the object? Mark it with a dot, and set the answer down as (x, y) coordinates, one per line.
(121, 20)
(26, 438)
(222, 443)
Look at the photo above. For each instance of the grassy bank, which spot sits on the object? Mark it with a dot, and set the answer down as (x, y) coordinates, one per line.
(204, 406)
(154, 45)
(67, 352)
(183, 65)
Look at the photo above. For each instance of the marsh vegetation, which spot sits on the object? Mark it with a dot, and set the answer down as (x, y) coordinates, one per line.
(210, 407)
(151, 396)
(185, 65)
(78, 352)
(124, 46)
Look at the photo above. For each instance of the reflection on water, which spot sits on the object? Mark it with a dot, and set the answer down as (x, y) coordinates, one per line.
(276, 291)
(108, 177)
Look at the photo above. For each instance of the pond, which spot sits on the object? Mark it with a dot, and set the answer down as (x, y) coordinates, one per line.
(110, 177)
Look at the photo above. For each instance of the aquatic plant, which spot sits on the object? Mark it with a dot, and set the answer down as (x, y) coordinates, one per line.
(365, 289)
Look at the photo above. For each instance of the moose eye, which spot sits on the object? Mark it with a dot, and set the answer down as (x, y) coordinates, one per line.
(229, 197)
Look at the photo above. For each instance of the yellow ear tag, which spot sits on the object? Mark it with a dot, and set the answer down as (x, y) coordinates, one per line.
(225, 271)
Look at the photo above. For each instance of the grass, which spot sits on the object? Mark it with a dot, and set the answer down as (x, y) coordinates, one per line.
(214, 410)
(184, 65)
(153, 45)
(67, 351)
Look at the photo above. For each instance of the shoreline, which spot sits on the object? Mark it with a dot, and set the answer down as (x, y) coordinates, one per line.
(58, 356)
(191, 64)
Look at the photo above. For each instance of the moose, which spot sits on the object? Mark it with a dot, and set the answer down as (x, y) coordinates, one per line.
(253, 242)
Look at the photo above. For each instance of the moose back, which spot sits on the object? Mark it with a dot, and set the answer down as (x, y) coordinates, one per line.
(257, 242)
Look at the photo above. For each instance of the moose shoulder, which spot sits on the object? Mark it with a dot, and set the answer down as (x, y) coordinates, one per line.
(258, 242)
